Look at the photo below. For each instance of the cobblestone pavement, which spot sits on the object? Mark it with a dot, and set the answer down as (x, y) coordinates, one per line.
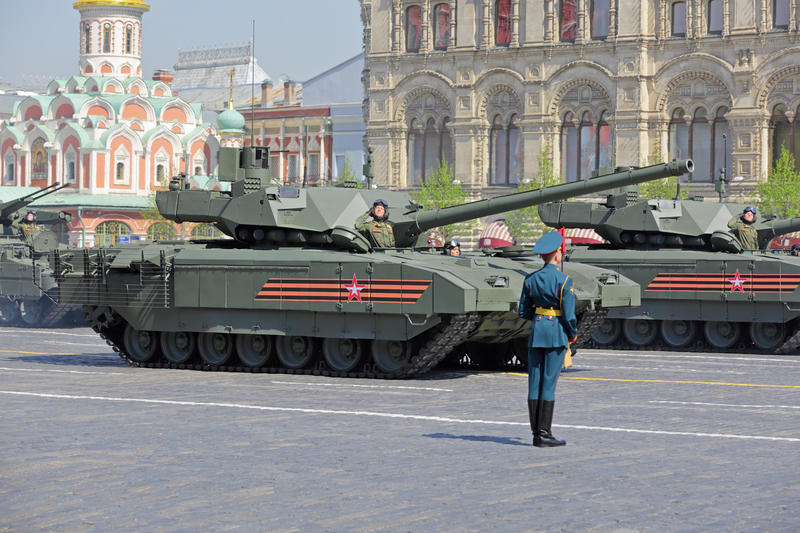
(657, 442)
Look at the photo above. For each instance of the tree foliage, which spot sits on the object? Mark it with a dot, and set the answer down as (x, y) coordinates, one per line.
(440, 190)
(780, 194)
(665, 188)
(524, 224)
(348, 174)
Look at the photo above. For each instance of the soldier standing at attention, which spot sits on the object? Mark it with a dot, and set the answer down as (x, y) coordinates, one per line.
(548, 300)
(742, 228)
(375, 225)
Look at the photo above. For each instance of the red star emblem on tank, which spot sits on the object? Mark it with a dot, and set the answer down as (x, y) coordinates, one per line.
(354, 290)
(737, 283)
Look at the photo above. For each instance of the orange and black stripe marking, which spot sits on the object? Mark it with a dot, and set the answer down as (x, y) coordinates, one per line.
(407, 291)
(735, 282)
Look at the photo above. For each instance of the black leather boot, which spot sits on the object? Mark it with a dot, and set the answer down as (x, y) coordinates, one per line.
(533, 414)
(545, 419)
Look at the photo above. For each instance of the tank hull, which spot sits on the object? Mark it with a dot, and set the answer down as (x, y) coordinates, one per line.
(396, 313)
(703, 300)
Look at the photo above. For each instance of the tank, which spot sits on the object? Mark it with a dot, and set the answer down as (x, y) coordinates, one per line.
(297, 289)
(700, 290)
(28, 289)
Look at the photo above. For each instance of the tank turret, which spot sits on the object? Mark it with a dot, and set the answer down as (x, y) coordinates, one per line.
(626, 220)
(257, 212)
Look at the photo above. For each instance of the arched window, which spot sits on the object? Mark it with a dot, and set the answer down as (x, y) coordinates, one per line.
(722, 143)
(679, 19)
(161, 174)
(206, 231)
(783, 134)
(441, 26)
(109, 233)
(502, 22)
(692, 137)
(70, 172)
(106, 38)
(8, 175)
(715, 17)
(413, 28)
(603, 142)
(569, 148)
(87, 38)
(600, 19)
(505, 151)
(780, 14)
(161, 231)
(416, 149)
(128, 39)
(428, 148)
(700, 151)
(587, 132)
(119, 175)
(568, 20)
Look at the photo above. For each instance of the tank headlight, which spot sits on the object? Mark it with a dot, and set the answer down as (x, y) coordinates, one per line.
(610, 280)
(498, 281)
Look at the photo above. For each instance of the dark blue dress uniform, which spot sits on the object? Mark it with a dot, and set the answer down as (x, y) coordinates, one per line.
(548, 300)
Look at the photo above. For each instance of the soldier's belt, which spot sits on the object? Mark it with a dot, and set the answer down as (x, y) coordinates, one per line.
(547, 311)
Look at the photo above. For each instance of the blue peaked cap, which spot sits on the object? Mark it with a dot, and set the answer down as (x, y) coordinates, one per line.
(548, 243)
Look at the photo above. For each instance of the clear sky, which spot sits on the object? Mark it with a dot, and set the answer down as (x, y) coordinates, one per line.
(300, 38)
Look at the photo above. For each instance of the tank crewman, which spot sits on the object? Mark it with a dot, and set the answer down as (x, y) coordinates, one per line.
(452, 248)
(548, 300)
(27, 227)
(742, 228)
(375, 225)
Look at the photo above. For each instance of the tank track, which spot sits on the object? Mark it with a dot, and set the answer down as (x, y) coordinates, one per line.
(789, 346)
(589, 322)
(431, 353)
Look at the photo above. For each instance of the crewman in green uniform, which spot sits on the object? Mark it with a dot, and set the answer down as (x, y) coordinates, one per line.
(548, 300)
(452, 248)
(742, 228)
(27, 227)
(375, 225)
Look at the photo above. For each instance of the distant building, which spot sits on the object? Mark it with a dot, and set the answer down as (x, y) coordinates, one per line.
(113, 135)
(328, 106)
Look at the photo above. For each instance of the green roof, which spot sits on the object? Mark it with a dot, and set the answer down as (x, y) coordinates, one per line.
(64, 200)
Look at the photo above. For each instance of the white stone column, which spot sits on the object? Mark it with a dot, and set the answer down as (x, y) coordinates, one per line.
(514, 24)
(425, 45)
(488, 34)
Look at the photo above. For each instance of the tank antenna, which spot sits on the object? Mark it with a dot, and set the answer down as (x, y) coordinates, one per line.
(253, 85)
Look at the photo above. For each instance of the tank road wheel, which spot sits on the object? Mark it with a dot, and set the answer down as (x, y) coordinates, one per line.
(295, 352)
(391, 356)
(767, 336)
(607, 332)
(215, 348)
(640, 332)
(254, 350)
(722, 335)
(140, 345)
(178, 346)
(31, 311)
(9, 312)
(342, 355)
(678, 333)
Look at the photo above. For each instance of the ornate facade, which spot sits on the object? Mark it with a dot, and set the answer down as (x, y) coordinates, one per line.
(488, 84)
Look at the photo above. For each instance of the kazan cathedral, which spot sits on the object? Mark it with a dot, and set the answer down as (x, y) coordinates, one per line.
(112, 134)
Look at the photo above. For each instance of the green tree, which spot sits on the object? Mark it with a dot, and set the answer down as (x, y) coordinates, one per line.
(525, 224)
(780, 194)
(347, 174)
(440, 190)
(665, 188)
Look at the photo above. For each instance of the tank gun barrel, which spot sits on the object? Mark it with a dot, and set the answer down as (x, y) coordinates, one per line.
(426, 220)
(775, 228)
(9, 208)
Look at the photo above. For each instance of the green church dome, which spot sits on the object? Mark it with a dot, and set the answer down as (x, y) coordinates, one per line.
(230, 120)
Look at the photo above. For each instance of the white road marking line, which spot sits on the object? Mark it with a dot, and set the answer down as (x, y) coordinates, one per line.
(728, 404)
(589, 366)
(29, 332)
(6, 369)
(722, 359)
(390, 415)
(304, 383)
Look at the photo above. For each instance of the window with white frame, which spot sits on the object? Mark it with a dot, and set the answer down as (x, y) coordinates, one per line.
(121, 167)
(199, 165)
(8, 175)
(162, 168)
(70, 165)
(106, 38)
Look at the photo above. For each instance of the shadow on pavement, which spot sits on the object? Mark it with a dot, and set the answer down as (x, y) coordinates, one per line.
(480, 438)
(73, 360)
